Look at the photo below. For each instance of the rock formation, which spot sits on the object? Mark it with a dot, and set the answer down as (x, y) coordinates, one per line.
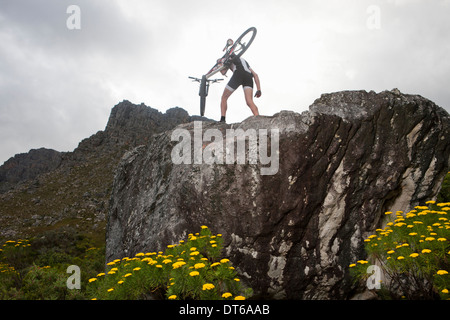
(27, 166)
(291, 232)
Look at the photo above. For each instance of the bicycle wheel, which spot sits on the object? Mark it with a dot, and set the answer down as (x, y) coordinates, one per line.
(243, 42)
(203, 93)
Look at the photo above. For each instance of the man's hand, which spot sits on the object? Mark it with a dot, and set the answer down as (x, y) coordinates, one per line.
(258, 94)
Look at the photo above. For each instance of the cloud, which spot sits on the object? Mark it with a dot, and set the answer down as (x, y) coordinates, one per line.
(58, 85)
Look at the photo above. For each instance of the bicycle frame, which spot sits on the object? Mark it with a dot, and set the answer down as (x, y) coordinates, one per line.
(237, 48)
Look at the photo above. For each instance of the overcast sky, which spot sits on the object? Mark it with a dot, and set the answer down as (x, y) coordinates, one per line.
(58, 85)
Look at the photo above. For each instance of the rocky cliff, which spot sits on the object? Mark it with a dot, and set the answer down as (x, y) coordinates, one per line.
(26, 166)
(293, 194)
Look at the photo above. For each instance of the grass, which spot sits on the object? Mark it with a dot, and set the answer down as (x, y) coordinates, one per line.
(36, 269)
(412, 252)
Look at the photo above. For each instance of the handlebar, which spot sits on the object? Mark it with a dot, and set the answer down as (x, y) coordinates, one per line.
(199, 80)
(195, 79)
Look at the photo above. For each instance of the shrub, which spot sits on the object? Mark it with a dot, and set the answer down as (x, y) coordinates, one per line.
(192, 269)
(444, 194)
(44, 283)
(35, 270)
(413, 253)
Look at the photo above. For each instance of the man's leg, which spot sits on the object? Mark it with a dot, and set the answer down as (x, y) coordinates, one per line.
(223, 103)
(248, 92)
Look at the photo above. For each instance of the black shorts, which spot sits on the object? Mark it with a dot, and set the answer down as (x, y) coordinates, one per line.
(240, 78)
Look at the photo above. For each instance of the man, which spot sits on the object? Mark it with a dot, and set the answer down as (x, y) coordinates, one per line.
(242, 75)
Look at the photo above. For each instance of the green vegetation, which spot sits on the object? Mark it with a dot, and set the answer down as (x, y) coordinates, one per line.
(444, 194)
(193, 269)
(412, 252)
(36, 268)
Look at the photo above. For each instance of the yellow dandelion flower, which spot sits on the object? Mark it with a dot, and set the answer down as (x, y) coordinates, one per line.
(127, 275)
(352, 265)
(226, 295)
(441, 272)
(224, 260)
(194, 273)
(215, 264)
(239, 298)
(443, 204)
(437, 224)
(208, 286)
(136, 269)
(414, 255)
(199, 265)
(178, 264)
(442, 239)
(172, 297)
(204, 227)
(112, 289)
(444, 291)
(362, 261)
(426, 251)
(400, 258)
(92, 279)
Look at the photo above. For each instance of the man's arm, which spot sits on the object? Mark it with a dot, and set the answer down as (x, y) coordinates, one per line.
(258, 83)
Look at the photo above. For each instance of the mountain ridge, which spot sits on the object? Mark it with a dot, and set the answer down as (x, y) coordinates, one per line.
(44, 188)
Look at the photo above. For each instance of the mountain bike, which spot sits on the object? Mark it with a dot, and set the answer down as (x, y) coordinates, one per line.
(232, 50)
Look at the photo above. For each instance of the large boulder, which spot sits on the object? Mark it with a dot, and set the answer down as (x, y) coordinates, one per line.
(295, 211)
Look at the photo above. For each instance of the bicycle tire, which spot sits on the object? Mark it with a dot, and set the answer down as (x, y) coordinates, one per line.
(247, 45)
(202, 105)
(203, 94)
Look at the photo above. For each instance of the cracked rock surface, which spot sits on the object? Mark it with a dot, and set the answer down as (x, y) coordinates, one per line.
(292, 234)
